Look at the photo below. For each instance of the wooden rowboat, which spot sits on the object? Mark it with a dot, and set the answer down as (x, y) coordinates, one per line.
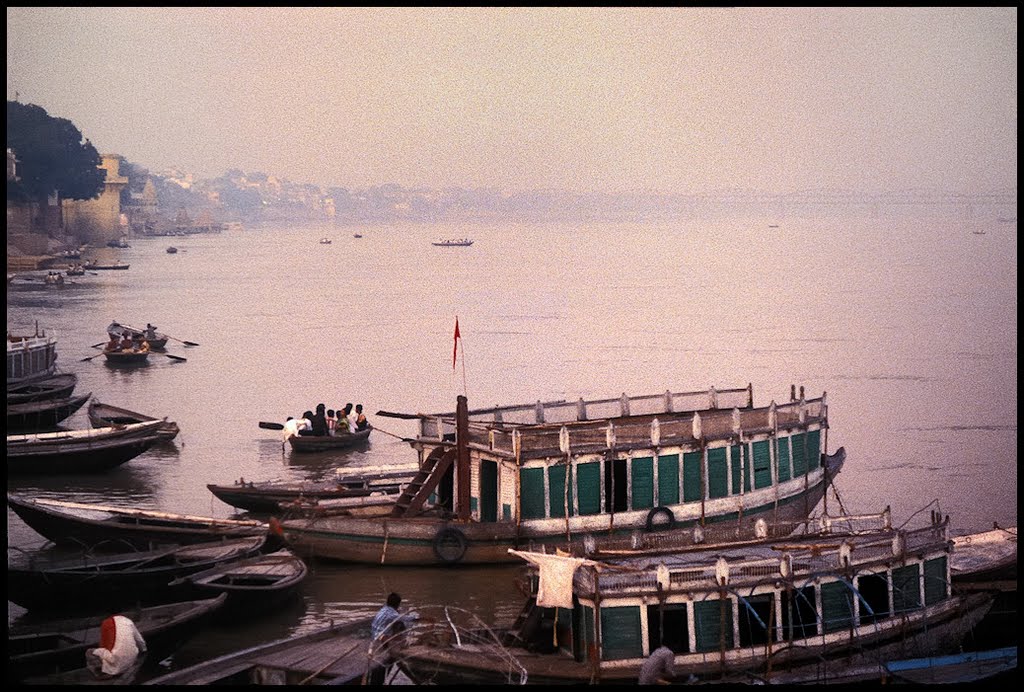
(253, 585)
(112, 528)
(44, 414)
(989, 556)
(323, 443)
(80, 451)
(268, 496)
(56, 387)
(59, 645)
(331, 654)
(105, 416)
(54, 580)
(131, 357)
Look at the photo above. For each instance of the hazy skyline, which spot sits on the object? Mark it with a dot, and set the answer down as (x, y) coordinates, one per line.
(591, 99)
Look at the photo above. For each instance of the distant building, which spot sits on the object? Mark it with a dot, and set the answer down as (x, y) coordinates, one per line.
(97, 221)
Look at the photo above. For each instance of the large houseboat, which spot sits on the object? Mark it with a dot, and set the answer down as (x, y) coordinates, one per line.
(836, 604)
(580, 475)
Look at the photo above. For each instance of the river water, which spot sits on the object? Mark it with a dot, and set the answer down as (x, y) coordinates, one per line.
(909, 325)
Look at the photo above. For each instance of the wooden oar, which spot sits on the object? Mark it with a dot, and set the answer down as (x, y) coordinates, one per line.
(86, 360)
(183, 360)
(98, 345)
(271, 426)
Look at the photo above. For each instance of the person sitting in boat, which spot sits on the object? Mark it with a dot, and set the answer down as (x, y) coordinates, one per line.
(319, 420)
(305, 426)
(387, 624)
(120, 646)
(332, 422)
(114, 344)
(345, 423)
(126, 342)
(361, 422)
(150, 332)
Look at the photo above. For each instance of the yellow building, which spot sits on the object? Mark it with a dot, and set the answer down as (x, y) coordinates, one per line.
(97, 221)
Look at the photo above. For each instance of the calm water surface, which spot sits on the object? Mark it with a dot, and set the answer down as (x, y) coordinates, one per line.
(909, 325)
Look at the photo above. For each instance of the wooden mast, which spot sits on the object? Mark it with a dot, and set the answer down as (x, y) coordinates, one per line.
(462, 479)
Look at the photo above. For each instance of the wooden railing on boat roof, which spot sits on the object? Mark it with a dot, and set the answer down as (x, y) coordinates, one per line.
(664, 427)
(820, 552)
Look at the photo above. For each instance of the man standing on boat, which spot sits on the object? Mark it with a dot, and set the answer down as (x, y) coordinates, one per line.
(386, 625)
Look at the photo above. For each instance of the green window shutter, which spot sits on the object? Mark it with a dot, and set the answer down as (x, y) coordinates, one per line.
(488, 491)
(556, 483)
(782, 455)
(736, 466)
(814, 449)
(906, 588)
(709, 623)
(588, 637)
(692, 490)
(642, 472)
(718, 473)
(506, 511)
(531, 493)
(836, 606)
(799, 455)
(935, 587)
(620, 633)
(762, 464)
(668, 479)
(588, 487)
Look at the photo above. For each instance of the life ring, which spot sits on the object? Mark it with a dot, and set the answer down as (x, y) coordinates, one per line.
(662, 525)
(450, 545)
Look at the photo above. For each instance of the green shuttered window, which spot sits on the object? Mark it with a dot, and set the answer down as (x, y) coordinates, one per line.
(642, 472)
(620, 633)
(668, 479)
(710, 621)
(906, 588)
(588, 487)
(718, 473)
(531, 498)
(740, 464)
(556, 484)
(762, 464)
(782, 454)
(836, 606)
(935, 587)
(692, 490)
(814, 449)
(799, 454)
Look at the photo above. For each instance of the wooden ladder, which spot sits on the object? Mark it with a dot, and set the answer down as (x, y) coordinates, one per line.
(410, 502)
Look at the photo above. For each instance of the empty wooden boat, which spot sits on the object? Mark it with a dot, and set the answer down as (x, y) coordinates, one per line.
(105, 415)
(253, 585)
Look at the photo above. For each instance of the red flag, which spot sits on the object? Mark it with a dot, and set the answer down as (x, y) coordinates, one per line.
(455, 348)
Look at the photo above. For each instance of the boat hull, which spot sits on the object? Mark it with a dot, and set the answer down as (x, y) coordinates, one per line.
(434, 541)
(56, 387)
(104, 415)
(325, 443)
(115, 529)
(42, 415)
(117, 580)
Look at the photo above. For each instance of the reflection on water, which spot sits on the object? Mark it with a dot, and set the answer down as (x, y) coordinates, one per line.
(908, 325)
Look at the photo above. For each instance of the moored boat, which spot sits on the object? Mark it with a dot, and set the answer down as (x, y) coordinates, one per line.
(42, 414)
(105, 416)
(986, 557)
(116, 265)
(323, 443)
(336, 654)
(696, 465)
(79, 451)
(55, 580)
(55, 387)
(253, 585)
(268, 496)
(110, 528)
(799, 608)
(55, 646)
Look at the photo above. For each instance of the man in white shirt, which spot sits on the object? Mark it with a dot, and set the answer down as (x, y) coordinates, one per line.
(120, 646)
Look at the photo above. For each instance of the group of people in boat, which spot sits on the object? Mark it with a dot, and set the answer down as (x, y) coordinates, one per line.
(54, 279)
(127, 339)
(327, 422)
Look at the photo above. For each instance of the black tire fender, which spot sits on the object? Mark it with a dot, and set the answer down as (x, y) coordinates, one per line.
(450, 545)
(660, 511)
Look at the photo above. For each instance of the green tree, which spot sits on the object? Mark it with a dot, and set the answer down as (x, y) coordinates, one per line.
(51, 156)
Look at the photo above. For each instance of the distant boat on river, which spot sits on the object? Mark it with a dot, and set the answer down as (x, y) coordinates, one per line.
(459, 242)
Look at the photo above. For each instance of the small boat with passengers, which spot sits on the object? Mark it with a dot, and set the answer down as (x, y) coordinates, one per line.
(452, 242)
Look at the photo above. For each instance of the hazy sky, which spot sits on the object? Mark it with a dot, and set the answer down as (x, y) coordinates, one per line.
(665, 99)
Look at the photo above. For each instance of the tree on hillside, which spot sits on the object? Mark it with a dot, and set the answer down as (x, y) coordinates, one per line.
(51, 156)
